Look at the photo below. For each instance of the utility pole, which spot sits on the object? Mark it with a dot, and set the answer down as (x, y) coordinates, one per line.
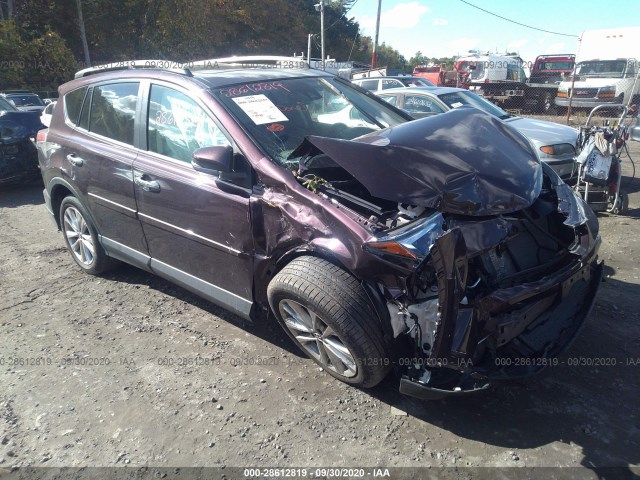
(309, 49)
(320, 8)
(83, 35)
(374, 55)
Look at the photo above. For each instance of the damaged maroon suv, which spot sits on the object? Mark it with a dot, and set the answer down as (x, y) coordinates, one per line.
(441, 248)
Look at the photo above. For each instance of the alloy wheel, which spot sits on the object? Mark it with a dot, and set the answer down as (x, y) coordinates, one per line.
(318, 338)
(77, 232)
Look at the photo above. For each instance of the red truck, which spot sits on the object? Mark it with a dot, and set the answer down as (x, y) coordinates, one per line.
(442, 77)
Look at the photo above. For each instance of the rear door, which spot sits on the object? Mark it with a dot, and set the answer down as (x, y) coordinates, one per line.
(99, 155)
(198, 231)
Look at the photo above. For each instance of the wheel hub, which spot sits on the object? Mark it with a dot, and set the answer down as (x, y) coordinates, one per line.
(318, 339)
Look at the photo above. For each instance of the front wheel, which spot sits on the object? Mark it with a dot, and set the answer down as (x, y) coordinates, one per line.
(328, 315)
(81, 238)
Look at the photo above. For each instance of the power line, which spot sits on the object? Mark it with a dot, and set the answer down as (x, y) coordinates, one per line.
(518, 23)
(340, 18)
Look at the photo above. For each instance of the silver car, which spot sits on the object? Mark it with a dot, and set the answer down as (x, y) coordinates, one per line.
(554, 143)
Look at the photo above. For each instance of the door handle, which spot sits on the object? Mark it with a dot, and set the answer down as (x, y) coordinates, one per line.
(75, 160)
(146, 185)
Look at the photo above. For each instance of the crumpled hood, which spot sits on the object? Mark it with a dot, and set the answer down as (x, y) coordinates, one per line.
(464, 162)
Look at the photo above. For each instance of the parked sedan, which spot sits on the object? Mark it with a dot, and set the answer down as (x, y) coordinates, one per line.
(555, 144)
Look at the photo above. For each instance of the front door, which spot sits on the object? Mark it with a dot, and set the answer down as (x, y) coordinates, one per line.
(198, 234)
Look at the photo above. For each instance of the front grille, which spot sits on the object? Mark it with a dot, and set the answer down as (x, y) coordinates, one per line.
(585, 92)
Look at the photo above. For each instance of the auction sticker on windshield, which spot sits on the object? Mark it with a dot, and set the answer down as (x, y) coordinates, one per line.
(260, 109)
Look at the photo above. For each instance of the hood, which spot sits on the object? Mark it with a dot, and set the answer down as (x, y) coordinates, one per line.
(15, 125)
(541, 132)
(464, 161)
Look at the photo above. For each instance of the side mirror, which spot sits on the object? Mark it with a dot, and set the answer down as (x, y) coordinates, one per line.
(212, 160)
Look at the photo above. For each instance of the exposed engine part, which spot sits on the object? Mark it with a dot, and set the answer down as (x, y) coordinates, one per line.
(406, 213)
(418, 321)
(425, 316)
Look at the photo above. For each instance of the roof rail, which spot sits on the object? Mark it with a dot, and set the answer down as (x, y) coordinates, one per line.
(169, 65)
(254, 61)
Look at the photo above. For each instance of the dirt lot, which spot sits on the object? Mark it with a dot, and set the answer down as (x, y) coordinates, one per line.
(129, 370)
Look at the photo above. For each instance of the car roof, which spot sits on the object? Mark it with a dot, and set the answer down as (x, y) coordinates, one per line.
(432, 90)
(397, 77)
(207, 79)
(18, 94)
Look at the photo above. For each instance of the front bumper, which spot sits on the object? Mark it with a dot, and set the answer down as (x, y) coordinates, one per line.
(583, 102)
(565, 168)
(18, 161)
(568, 296)
(507, 329)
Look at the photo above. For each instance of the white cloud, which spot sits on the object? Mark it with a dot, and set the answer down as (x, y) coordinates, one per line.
(463, 45)
(559, 47)
(402, 15)
(516, 45)
(438, 22)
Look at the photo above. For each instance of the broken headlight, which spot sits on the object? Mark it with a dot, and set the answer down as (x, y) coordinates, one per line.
(410, 242)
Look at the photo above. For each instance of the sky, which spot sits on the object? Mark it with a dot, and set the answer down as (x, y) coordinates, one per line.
(445, 28)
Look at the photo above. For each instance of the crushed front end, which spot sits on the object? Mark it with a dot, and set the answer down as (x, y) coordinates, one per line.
(486, 260)
(496, 298)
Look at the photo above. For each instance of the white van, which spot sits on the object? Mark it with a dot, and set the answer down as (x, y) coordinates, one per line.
(606, 69)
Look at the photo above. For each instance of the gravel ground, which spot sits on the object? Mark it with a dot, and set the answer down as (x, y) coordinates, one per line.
(130, 370)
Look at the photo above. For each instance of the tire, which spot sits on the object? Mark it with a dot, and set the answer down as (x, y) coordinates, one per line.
(81, 238)
(327, 313)
(622, 206)
(547, 104)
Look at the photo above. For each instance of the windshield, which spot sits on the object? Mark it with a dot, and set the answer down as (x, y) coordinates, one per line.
(602, 68)
(279, 114)
(544, 66)
(26, 100)
(417, 82)
(458, 99)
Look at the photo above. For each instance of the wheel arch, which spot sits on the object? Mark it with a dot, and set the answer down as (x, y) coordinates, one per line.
(58, 190)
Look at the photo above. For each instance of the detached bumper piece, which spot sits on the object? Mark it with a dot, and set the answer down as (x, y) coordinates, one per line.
(18, 161)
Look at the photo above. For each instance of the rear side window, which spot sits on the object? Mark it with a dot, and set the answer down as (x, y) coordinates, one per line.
(422, 104)
(73, 104)
(392, 99)
(371, 85)
(391, 83)
(113, 109)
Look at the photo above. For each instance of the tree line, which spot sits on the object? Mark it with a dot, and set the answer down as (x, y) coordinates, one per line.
(43, 42)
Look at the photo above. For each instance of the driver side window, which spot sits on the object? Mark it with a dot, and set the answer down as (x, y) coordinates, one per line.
(177, 125)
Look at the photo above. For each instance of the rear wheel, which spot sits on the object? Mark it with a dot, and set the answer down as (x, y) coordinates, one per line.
(81, 238)
(328, 315)
(622, 205)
